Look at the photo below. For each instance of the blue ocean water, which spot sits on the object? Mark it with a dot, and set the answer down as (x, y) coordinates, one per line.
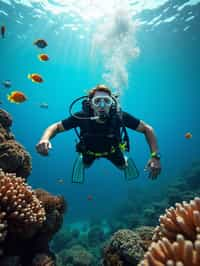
(158, 84)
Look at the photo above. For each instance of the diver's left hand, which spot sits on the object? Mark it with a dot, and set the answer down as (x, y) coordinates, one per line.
(154, 167)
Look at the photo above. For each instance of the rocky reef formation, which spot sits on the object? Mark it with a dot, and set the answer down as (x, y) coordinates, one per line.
(13, 156)
(77, 256)
(28, 218)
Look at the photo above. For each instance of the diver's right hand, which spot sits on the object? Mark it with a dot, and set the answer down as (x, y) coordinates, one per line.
(43, 147)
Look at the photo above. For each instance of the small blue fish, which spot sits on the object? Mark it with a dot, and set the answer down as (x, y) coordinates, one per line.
(44, 105)
(60, 180)
(7, 84)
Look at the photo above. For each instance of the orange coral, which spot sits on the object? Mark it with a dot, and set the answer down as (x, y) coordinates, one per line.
(23, 211)
(180, 253)
(177, 236)
(184, 219)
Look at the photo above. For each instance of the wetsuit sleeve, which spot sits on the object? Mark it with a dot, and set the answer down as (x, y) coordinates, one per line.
(130, 121)
(72, 122)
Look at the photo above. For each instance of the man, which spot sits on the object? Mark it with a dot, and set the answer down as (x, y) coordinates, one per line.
(101, 123)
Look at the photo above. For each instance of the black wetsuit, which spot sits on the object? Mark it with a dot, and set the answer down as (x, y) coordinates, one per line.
(101, 137)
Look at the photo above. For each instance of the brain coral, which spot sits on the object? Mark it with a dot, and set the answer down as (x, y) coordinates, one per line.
(123, 249)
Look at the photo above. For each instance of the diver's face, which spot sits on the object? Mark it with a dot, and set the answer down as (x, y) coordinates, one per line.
(101, 103)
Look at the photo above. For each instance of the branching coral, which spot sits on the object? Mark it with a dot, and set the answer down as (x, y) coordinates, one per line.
(180, 253)
(22, 210)
(184, 219)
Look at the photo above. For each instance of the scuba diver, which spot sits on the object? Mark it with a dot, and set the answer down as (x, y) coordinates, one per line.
(103, 134)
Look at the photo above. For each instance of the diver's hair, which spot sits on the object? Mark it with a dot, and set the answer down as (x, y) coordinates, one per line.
(100, 87)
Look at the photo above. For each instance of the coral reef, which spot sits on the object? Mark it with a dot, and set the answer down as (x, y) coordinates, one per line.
(146, 234)
(51, 202)
(123, 249)
(28, 218)
(13, 157)
(55, 207)
(64, 238)
(5, 119)
(76, 256)
(95, 235)
(177, 239)
(184, 219)
(28, 221)
(181, 253)
(19, 205)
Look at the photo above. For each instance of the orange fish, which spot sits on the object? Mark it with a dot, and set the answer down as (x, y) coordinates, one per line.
(89, 197)
(35, 78)
(188, 135)
(43, 57)
(16, 97)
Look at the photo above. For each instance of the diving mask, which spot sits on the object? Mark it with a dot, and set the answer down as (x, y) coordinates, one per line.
(102, 101)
